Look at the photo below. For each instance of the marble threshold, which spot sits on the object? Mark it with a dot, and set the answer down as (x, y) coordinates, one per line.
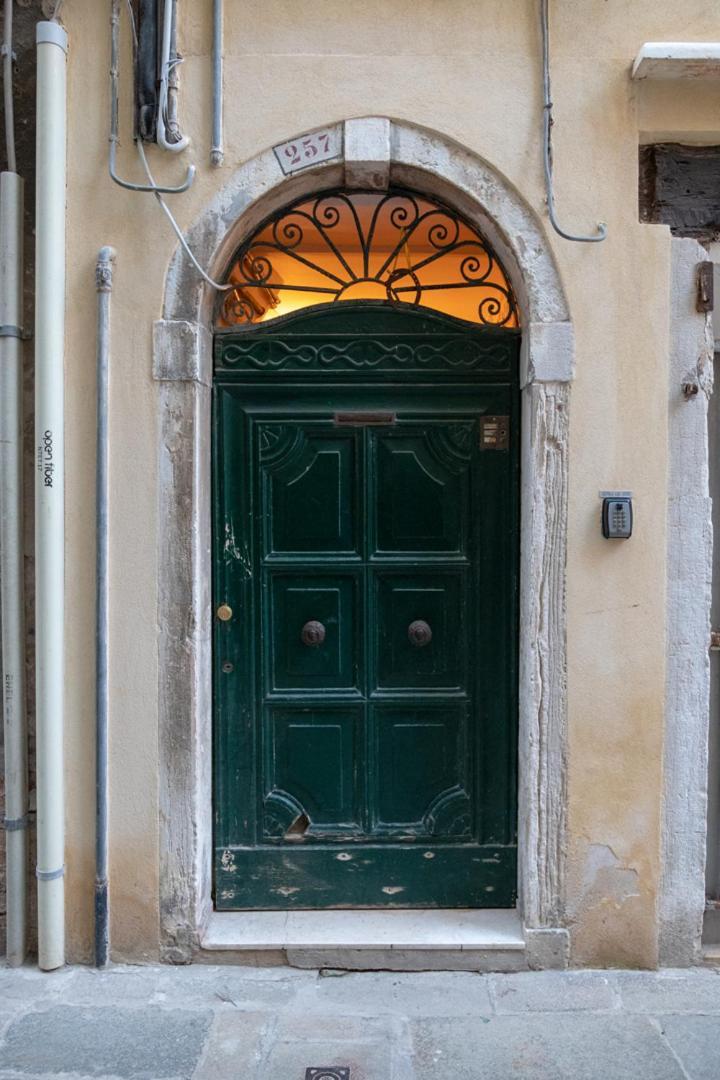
(406, 930)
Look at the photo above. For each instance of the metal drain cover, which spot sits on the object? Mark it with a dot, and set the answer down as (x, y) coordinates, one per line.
(327, 1072)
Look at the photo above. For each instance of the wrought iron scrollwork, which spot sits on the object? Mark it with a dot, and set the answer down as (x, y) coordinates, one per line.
(397, 247)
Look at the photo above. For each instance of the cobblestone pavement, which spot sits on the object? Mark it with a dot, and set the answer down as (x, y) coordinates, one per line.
(217, 1023)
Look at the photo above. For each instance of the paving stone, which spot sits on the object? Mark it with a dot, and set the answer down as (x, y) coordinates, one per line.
(373, 1048)
(416, 994)
(235, 1045)
(237, 988)
(571, 1046)
(236, 1023)
(670, 991)
(200, 973)
(29, 984)
(9, 1011)
(328, 1027)
(696, 1041)
(369, 1058)
(126, 985)
(553, 991)
(141, 1044)
(12, 1074)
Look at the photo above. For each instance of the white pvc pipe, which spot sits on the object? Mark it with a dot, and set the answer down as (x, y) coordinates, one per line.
(11, 563)
(49, 487)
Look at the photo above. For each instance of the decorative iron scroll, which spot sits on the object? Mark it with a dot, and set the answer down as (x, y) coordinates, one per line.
(395, 247)
(276, 353)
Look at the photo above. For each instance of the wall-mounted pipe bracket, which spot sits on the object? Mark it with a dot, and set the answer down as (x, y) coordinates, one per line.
(15, 332)
(50, 875)
(15, 824)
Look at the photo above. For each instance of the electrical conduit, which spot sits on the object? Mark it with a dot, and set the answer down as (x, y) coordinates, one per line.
(49, 487)
(11, 563)
(217, 152)
(103, 284)
(11, 523)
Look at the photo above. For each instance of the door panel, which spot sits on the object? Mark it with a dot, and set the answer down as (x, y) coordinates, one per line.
(311, 772)
(432, 655)
(365, 700)
(331, 602)
(421, 503)
(422, 763)
(310, 489)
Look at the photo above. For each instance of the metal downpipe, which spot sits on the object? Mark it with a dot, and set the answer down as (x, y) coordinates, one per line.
(12, 563)
(8, 103)
(103, 284)
(49, 487)
(217, 152)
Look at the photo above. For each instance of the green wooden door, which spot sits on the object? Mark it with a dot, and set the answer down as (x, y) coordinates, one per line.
(366, 544)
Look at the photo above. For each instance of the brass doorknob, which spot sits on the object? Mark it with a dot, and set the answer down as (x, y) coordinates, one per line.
(224, 612)
(312, 633)
(419, 633)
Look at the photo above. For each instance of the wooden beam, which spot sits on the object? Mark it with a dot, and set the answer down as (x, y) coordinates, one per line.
(679, 186)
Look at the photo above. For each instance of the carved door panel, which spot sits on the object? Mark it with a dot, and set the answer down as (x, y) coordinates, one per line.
(365, 702)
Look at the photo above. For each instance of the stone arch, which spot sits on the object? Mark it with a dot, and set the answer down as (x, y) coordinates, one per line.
(378, 152)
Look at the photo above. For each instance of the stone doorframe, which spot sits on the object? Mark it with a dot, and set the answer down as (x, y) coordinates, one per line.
(377, 153)
(681, 901)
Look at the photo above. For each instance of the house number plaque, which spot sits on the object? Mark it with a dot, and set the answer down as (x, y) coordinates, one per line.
(310, 149)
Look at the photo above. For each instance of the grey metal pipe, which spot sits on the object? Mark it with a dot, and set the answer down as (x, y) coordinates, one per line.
(11, 564)
(217, 152)
(7, 54)
(103, 284)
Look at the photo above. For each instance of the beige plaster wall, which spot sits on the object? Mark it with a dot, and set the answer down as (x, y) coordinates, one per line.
(470, 69)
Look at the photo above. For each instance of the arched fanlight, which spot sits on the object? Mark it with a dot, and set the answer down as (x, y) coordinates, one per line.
(394, 247)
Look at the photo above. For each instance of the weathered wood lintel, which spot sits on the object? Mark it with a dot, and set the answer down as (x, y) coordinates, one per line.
(679, 188)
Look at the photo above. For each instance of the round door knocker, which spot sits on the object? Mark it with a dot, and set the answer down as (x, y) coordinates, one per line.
(419, 633)
(313, 633)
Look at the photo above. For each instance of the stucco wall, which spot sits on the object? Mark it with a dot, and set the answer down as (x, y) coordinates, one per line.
(469, 69)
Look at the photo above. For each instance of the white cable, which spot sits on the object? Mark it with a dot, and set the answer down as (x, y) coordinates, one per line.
(176, 227)
(601, 233)
(133, 27)
(166, 209)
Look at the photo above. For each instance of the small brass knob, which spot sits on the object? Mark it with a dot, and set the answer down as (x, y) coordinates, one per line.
(312, 633)
(224, 612)
(419, 633)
